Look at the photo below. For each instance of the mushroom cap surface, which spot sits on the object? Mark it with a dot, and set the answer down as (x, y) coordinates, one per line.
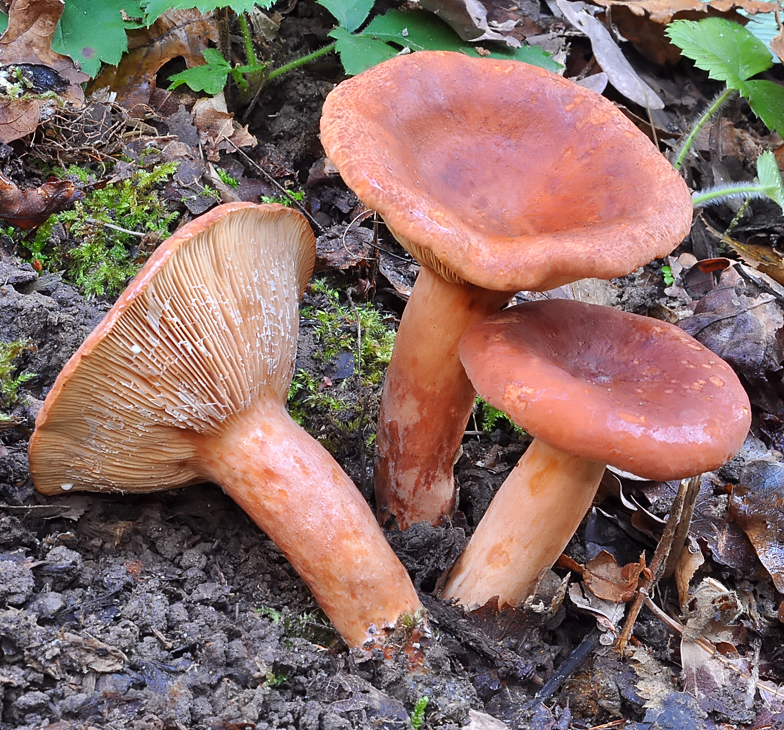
(503, 174)
(207, 327)
(609, 386)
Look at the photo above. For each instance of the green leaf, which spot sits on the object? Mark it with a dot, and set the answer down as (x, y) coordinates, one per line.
(91, 32)
(769, 175)
(3, 22)
(726, 50)
(358, 53)
(153, 9)
(350, 14)
(210, 78)
(766, 100)
(423, 31)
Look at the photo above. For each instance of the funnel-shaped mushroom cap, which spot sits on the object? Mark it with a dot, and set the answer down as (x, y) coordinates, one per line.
(120, 413)
(609, 386)
(503, 174)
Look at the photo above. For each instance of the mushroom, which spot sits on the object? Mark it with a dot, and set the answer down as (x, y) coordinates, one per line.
(185, 381)
(594, 386)
(496, 176)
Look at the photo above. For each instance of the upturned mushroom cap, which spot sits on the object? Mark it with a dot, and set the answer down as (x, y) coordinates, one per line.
(609, 386)
(503, 174)
(120, 413)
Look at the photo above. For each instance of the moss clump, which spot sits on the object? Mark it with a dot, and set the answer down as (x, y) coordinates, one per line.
(102, 252)
(11, 379)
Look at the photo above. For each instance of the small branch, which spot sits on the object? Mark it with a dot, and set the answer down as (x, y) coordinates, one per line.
(95, 222)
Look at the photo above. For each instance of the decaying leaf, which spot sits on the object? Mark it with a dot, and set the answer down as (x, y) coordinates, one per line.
(689, 562)
(609, 581)
(29, 67)
(642, 22)
(763, 258)
(217, 128)
(343, 248)
(607, 613)
(468, 18)
(31, 208)
(176, 34)
(757, 506)
(610, 57)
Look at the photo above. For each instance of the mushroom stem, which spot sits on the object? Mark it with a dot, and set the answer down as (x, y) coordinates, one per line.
(527, 526)
(267, 464)
(427, 400)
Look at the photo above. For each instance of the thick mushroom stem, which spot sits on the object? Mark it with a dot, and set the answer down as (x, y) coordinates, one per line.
(427, 400)
(268, 465)
(528, 524)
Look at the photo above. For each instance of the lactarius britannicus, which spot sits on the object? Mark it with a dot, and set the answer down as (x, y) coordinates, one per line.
(185, 381)
(593, 386)
(496, 176)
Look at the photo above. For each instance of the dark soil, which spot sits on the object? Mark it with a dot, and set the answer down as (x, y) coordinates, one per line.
(174, 611)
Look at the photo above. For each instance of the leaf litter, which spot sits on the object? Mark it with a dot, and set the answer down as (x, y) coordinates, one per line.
(155, 612)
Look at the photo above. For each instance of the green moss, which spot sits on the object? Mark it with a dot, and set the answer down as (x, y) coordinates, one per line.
(11, 379)
(287, 199)
(227, 179)
(104, 258)
(490, 418)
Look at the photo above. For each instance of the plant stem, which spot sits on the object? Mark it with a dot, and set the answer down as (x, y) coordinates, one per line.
(250, 53)
(745, 189)
(301, 61)
(707, 114)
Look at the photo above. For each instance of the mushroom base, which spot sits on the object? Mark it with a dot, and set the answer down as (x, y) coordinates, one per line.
(295, 491)
(427, 400)
(528, 524)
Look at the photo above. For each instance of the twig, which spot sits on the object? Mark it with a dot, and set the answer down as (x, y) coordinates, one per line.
(682, 531)
(95, 222)
(658, 563)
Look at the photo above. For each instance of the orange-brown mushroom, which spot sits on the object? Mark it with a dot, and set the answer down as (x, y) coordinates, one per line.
(497, 176)
(185, 381)
(594, 386)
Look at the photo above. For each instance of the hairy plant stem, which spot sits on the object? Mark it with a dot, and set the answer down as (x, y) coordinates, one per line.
(739, 189)
(301, 61)
(707, 114)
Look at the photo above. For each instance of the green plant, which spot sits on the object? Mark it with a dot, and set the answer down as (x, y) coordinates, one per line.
(667, 276)
(288, 199)
(418, 715)
(227, 179)
(106, 226)
(729, 53)
(11, 380)
(311, 625)
(490, 417)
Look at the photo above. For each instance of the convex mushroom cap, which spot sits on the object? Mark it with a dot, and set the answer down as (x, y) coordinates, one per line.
(593, 386)
(497, 176)
(185, 381)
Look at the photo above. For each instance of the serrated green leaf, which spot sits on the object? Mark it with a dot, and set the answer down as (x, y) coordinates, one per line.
(766, 100)
(91, 32)
(358, 53)
(350, 14)
(153, 9)
(135, 13)
(769, 175)
(210, 78)
(726, 50)
(423, 31)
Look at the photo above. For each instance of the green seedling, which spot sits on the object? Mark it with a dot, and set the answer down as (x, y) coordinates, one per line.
(227, 179)
(767, 185)
(11, 380)
(418, 715)
(667, 276)
(729, 53)
(107, 227)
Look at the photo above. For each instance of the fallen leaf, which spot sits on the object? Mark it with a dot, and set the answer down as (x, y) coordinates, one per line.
(757, 506)
(688, 564)
(607, 613)
(27, 43)
(31, 208)
(468, 18)
(343, 248)
(176, 34)
(610, 57)
(217, 128)
(609, 581)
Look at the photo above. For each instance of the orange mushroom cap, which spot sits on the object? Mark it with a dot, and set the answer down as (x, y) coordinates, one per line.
(503, 174)
(609, 386)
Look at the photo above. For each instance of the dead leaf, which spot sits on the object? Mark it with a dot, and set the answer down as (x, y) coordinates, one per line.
(217, 128)
(31, 208)
(689, 562)
(607, 613)
(87, 653)
(757, 506)
(610, 57)
(468, 18)
(642, 22)
(343, 248)
(608, 580)
(777, 42)
(27, 42)
(763, 258)
(176, 34)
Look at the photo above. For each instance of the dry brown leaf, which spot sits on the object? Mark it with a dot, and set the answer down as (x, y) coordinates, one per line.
(27, 42)
(217, 128)
(31, 208)
(177, 33)
(608, 580)
(777, 43)
(689, 562)
(642, 22)
(468, 18)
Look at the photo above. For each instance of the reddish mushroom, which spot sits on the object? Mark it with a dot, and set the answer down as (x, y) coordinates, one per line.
(496, 176)
(594, 386)
(186, 381)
